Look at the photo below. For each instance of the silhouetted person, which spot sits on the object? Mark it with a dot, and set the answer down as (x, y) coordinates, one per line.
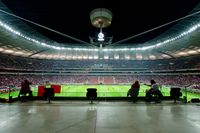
(25, 89)
(49, 92)
(154, 90)
(134, 91)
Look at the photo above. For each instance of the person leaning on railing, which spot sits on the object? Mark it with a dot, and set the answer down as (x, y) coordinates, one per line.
(134, 91)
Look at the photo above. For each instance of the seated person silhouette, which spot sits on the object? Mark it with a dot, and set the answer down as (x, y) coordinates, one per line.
(25, 89)
(153, 93)
(134, 91)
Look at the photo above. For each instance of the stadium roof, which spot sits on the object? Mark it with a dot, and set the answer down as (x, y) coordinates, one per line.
(59, 30)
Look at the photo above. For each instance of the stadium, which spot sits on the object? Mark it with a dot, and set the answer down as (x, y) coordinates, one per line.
(75, 48)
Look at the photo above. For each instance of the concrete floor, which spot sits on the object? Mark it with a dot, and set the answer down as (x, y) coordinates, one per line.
(100, 117)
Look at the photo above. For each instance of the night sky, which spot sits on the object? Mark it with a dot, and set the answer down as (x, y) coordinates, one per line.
(130, 17)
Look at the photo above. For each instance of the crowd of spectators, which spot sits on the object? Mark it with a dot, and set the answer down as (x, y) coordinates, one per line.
(191, 82)
(20, 65)
(173, 80)
(14, 62)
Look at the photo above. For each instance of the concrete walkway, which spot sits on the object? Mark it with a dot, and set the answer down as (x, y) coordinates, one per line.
(100, 117)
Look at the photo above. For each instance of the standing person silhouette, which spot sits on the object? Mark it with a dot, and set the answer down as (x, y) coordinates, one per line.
(25, 89)
(49, 92)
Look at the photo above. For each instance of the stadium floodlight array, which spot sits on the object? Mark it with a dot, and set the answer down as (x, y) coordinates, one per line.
(156, 45)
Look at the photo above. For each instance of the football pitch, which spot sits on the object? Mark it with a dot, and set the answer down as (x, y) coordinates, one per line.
(102, 91)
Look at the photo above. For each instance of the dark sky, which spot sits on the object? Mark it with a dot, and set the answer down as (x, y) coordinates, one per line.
(130, 17)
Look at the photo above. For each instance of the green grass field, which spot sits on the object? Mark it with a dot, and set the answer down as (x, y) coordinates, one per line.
(102, 91)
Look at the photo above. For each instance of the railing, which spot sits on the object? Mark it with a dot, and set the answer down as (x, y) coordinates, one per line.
(83, 94)
(105, 94)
